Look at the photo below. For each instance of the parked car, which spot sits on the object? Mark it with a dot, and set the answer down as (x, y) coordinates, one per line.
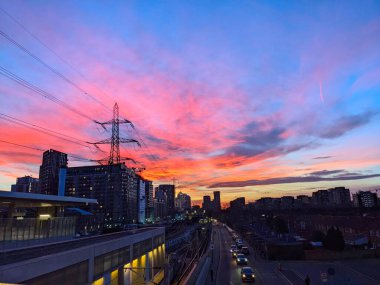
(247, 274)
(244, 250)
(241, 259)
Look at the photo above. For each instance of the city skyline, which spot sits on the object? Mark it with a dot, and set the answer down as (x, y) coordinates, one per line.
(236, 98)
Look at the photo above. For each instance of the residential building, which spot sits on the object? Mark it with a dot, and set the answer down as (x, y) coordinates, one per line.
(365, 199)
(149, 206)
(141, 200)
(320, 198)
(238, 204)
(287, 202)
(216, 202)
(207, 205)
(52, 162)
(339, 197)
(114, 186)
(26, 184)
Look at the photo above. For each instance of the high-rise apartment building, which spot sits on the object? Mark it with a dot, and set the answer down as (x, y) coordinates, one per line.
(26, 184)
(149, 206)
(339, 197)
(52, 162)
(207, 205)
(216, 203)
(141, 200)
(114, 186)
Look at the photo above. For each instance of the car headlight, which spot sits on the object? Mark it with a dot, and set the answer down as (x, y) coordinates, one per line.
(253, 275)
(244, 275)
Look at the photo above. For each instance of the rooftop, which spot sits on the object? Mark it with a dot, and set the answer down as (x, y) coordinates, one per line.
(21, 199)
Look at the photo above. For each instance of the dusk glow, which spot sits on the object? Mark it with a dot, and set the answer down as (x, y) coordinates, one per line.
(250, 98)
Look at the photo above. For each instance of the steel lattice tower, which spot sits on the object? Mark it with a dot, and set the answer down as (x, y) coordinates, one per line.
(115, 140)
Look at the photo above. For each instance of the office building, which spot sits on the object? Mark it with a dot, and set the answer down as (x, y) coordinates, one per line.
(26, 184)
(114, 186)
(169, 191)
(52, 162)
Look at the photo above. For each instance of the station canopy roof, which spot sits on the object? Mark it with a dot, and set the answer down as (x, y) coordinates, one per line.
(21, 199)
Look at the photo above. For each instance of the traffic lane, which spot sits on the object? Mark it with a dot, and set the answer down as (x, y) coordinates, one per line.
(235, 269)
(227, 273)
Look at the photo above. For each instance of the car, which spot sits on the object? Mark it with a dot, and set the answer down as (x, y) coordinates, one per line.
(247, 274)
(239, 245)
(241, 259)
(244, 250)
(233, 247)
(234, 253)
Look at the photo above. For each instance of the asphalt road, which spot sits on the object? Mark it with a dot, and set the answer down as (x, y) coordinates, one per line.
(225, 270)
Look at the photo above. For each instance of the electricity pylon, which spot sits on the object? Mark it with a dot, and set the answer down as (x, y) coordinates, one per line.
(115, 139)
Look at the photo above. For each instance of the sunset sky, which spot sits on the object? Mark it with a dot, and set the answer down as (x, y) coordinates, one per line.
(252, 98)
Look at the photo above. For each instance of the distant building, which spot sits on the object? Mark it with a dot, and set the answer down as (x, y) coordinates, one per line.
(169, 190)
(207, 205)
(339, 197)
(365, 199)
(265, 203)
(114, 186)
(26, 184)
(320, 198)
(304, 199)
(160, 204)
(238, 204)
(216, 203)
(183, 202)
(141, 200)
(287, 202)
(149, 206)
(52, 162)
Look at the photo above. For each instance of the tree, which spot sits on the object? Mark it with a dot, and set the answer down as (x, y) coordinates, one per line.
(318, 236)
(334, 239)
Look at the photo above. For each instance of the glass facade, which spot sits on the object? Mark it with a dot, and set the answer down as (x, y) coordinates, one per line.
(34, 228)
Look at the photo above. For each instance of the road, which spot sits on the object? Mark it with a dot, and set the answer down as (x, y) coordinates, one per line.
(225, 270)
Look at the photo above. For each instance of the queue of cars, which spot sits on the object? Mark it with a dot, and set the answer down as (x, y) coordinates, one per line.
(239, 252)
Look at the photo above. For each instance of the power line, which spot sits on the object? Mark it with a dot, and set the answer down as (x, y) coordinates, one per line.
(44, 130)
(76, 157)
(56, 54)
(41, 92)
(52, 69)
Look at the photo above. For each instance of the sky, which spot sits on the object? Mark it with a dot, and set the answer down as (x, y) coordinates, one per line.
(250, 98)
